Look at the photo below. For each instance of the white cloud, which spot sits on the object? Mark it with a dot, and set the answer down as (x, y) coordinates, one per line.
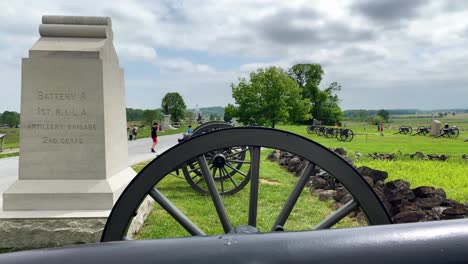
(184, 65)
(136, 52)
(422, 47)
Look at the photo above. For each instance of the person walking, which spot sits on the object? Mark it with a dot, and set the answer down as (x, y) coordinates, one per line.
(134, 132)
(154, 136)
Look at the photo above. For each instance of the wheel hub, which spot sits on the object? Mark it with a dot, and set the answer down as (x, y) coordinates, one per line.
(244, 229)
(219, 161)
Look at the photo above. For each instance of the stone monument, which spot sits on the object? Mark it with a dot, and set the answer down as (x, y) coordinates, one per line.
(167, 123)
(435, 128)
(74, 153)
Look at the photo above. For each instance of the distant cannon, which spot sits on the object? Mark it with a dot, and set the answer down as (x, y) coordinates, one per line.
(450, 132)
(405, 130)
(422, 130)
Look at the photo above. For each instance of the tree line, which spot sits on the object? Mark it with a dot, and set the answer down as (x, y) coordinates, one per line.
(274, 95)
(10, 118)
(172, 104)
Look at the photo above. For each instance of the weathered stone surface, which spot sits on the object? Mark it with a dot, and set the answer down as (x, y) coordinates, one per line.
(346, 198)
(450, 203)
(319, 183)
(340, 192)
(429, 203)
(326, 195)
(398, 195)
(295, 165)
(418, 155)
(440, 192)
(143, 212)
(42, 233)
(409, 216)
(317, 191)
(424, 191)
(374, 174)
(404, 206)
(274, 156)
(340, 151)
(397, 184)
(457, 210)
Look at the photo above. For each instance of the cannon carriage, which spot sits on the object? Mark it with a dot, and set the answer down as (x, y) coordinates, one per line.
(450, 132)
(405, 130)
(422, 130)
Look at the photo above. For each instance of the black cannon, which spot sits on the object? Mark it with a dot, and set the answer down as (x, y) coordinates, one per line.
(430, 242)
(450, 132)
(342, 134)
(422, 130)
(405, 130)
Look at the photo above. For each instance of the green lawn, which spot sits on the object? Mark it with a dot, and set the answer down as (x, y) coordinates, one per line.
(275, 187)
(8, 155)
(11, 138)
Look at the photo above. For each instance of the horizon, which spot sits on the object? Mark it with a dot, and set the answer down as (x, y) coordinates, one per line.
(389, 54)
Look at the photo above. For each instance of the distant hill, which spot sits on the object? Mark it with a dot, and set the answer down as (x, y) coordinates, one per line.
(214, 110)
(356, 112)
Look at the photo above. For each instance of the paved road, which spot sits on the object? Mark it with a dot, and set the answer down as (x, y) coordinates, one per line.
(138, 151)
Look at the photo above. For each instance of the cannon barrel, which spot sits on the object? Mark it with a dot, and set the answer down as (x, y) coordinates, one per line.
(430, 242)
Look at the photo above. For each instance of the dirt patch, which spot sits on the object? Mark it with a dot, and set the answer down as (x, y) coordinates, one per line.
(269, 182)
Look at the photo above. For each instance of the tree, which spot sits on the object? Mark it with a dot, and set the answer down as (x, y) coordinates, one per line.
(270, 96)
(11, 119)
(376, 120)
(229, 112)
(149, 116)
(384, 114)
(173, 104)
(324, 104)
(190, 116)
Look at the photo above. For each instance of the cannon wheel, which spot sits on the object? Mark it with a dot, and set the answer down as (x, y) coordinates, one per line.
(406, 130)
(422, 130)
(330, 133)
(346, 135)
(321, 131)
(451, 132)
(229, 178)
(146, 182)
(454, 132)
(310, 129)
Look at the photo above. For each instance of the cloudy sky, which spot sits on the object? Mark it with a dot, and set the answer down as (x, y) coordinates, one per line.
(384, 53)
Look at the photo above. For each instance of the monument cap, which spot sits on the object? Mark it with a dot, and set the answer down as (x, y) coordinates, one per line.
(77, 20)
(76, 27)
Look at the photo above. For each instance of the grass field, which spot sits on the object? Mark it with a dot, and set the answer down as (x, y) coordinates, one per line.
(11, 138)
(368, 140)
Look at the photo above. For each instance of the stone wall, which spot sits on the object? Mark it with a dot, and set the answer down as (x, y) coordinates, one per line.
(403, 203)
